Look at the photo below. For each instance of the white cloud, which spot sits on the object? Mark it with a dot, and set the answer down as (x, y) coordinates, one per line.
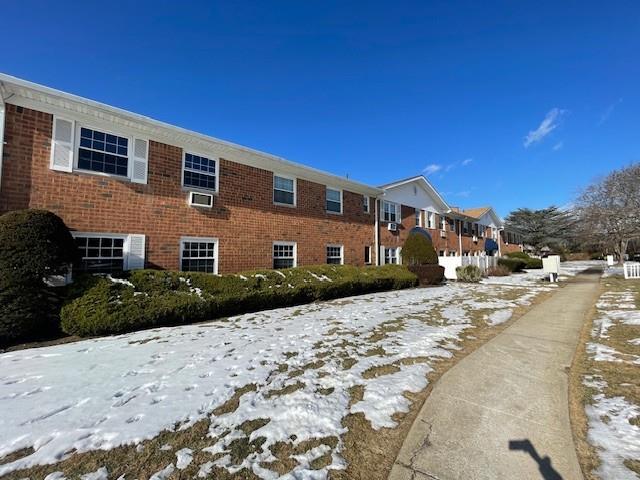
(548, 125)
(607, 113)
(432, 168)
(466, 161)
(558, 145)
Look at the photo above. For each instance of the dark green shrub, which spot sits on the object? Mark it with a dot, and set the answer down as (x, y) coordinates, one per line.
(469, 274)
(34, 244)
(157, 298)
(530, 262)
(513, 264)
(418, 250)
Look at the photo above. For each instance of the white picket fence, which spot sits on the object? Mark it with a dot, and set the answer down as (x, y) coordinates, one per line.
(451, 263)
(631, 270)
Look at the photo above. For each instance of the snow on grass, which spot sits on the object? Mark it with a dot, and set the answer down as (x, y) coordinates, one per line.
(296, 367)
(611, 419)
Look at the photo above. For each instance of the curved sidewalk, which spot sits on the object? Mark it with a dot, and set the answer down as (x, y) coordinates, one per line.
(502, 412)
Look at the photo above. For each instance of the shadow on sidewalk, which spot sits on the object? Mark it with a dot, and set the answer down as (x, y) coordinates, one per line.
(544, 463)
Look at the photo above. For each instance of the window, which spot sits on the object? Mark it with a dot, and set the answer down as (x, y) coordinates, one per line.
(284, 255)
(365, 204)
(284, 190)
(367, 254)
(418, 218)
(465, 227)
(389, 212)
(452, 224)
(431, 220)
(441, 253)
(334, 254)
(103, 152)
(198, 255)
(199, 172)
(391, 255)
(101, 253)
(443, 222)
(334, 200)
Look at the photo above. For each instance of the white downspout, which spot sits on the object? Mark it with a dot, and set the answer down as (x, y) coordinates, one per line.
(376, 231)
(500, 230)
(460, 238)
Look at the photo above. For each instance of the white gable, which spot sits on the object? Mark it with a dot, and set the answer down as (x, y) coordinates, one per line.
(490, 219)
(414, 194)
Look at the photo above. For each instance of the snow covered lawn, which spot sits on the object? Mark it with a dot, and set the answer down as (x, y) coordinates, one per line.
(274, 387)
(613, 380)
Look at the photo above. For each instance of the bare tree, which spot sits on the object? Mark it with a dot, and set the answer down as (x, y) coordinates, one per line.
(609, 210)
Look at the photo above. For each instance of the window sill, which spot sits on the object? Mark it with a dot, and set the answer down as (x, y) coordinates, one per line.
(205, 191)
(91, 173)
(333, 213)
(288, 205)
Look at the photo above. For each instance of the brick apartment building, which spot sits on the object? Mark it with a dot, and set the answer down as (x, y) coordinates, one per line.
(141, 193)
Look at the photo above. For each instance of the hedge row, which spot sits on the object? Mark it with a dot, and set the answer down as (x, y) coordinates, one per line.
(530, 262)
(150, 298)
(513, 264)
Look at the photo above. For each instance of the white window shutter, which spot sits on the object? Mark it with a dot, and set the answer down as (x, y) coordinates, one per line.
(135, 249)
(62, 145)
(382, 256)
(399, 255)
(139, 162)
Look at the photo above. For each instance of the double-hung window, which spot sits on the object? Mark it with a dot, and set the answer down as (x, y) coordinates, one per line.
(431, 220)
(199, 172)
(443, 222)
(367, 254)
(389, 212)
(391, 255)
(103, 152)
(334, 200)
(365, 204)
(198, 255)
(418, 218)
(334, 254)
(100, 253)
(284, 255)
(284, 190)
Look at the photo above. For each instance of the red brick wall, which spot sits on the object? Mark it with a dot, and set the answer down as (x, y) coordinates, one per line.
(243, 218)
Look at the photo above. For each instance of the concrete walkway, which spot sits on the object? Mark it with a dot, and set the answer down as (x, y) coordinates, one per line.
(502, 412)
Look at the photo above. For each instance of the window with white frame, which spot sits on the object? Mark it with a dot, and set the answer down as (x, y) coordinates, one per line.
(334, 200)
(284, 190)
(443, 222)
(431, 220)
(199, 254)
(100, 253)
(418, 218)
(390, 255)
(284, 255)
(103, 152)
(389, 212)
(334, 254)
(199, 172)
(367, 254)
(365, 204)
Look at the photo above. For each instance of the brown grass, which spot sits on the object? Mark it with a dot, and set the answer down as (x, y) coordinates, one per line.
(623, 379)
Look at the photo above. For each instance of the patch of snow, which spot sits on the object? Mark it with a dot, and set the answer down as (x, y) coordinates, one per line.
(119, 280)
(242, 277)
(499, 316)
(101, 474)
(280, 273)
(183, 458)
(125, 391)
(164, 473)
(205, 469)
(615, 437)
(55, 476)
(320, 278)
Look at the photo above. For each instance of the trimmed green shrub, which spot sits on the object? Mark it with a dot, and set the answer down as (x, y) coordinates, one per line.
(418, 250)
(469, 274)
(34, 244)
(513, 264)
(530, 262)
(149, 298)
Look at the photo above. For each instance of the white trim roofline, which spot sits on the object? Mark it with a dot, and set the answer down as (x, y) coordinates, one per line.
(421, 179)
(39, 97)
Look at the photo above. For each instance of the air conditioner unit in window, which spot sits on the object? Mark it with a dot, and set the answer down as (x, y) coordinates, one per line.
(393, 227)
(443, 234)
(197, 199)
(475, 238)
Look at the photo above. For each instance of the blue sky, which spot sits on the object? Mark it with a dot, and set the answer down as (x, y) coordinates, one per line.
(505, 103)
